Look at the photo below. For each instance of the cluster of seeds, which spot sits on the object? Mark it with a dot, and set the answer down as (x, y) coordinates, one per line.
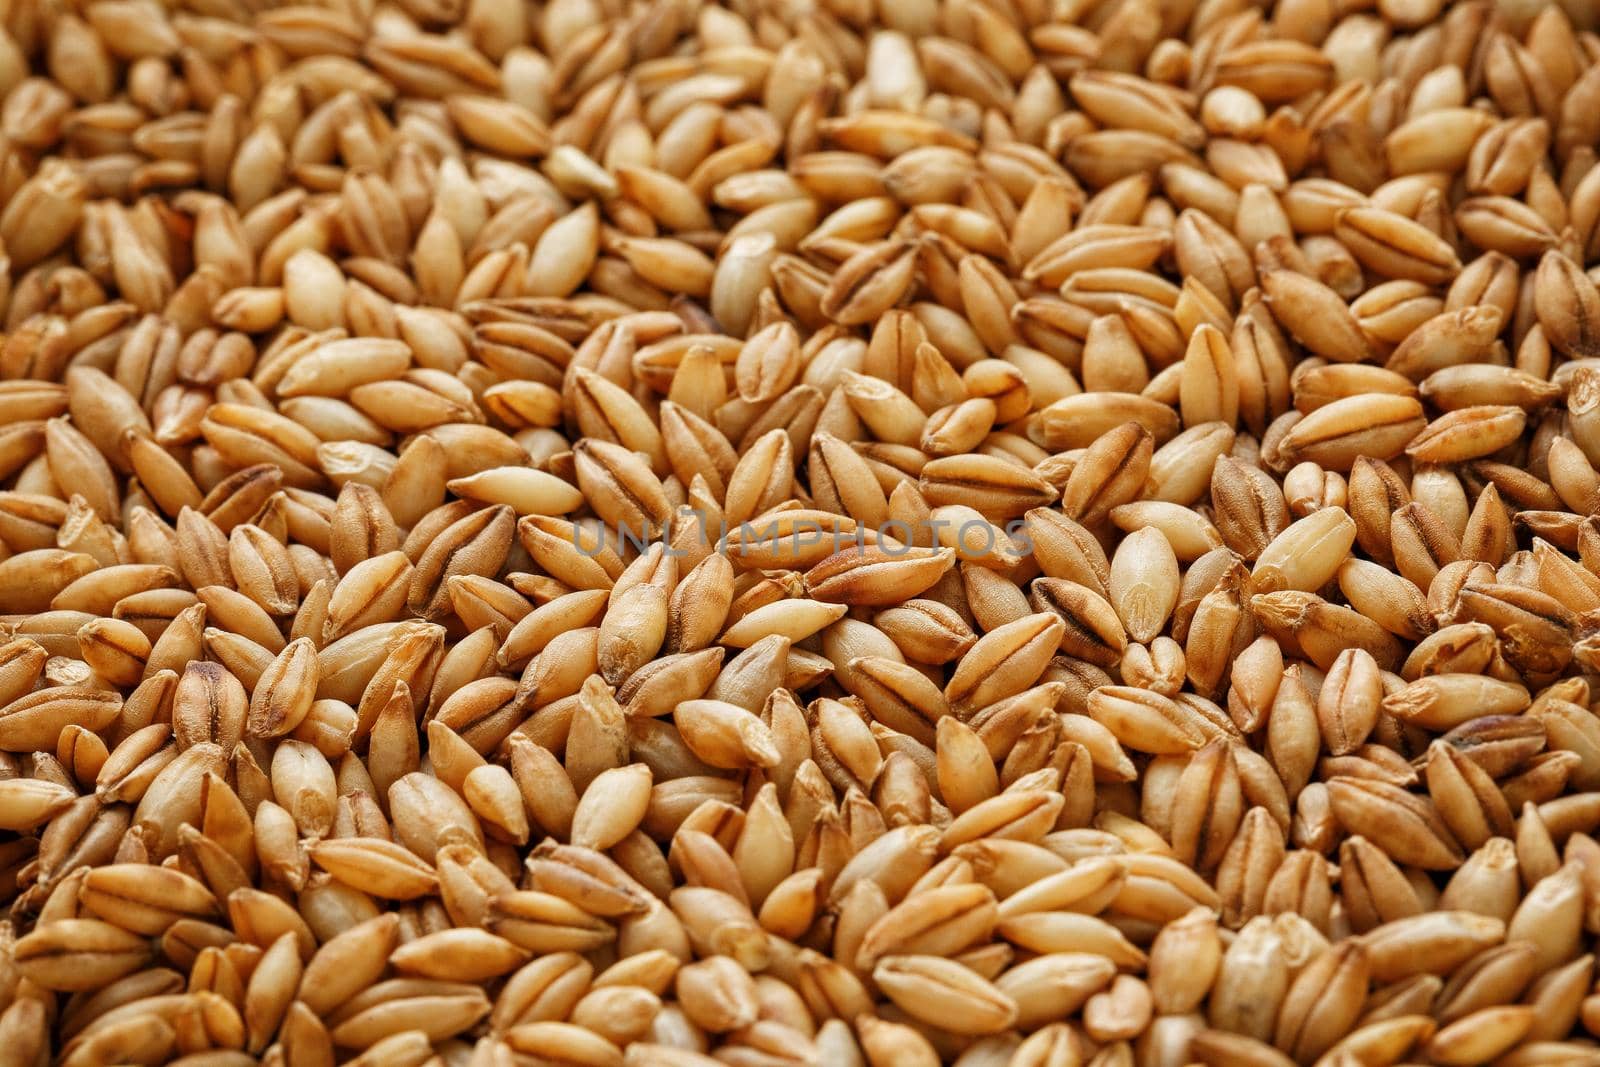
(800, 533)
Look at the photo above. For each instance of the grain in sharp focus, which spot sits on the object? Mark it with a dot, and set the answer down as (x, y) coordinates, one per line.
(1061, 533)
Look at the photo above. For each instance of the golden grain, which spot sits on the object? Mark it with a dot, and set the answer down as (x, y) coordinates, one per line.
(935, 532)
